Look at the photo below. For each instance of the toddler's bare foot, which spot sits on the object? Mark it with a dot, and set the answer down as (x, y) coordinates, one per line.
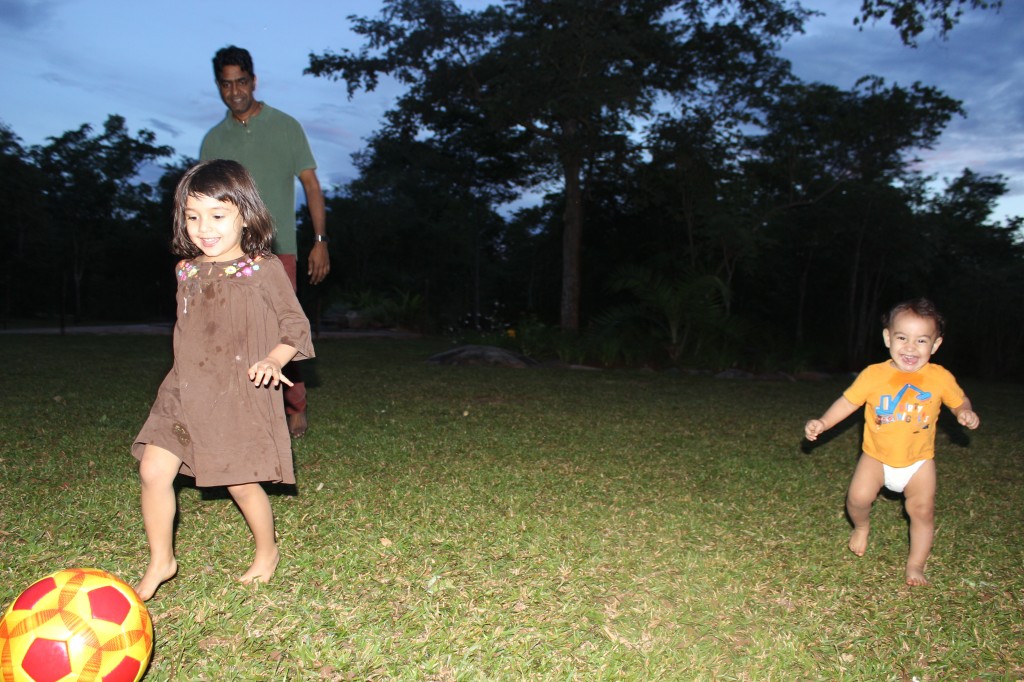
(262, 569)
(156, 575)
(859, 541)
(915, 576)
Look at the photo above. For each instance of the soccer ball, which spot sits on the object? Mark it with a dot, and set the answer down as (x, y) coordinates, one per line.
(76, 625)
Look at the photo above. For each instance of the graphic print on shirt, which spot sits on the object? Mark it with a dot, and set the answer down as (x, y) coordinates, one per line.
(888, 410)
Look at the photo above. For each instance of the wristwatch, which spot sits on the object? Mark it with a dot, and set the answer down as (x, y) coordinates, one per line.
(321, 238)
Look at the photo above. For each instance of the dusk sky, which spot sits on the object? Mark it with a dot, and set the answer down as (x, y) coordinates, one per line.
(69, 62)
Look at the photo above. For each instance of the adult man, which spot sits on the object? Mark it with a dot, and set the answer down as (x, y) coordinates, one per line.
(274, 149)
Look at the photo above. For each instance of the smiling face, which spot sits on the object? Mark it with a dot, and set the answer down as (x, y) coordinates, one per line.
(215, 227)
(236, 90)
(911, 341)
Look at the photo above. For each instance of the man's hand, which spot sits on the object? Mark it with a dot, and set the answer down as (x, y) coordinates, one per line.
(319, 263)
(319, 258)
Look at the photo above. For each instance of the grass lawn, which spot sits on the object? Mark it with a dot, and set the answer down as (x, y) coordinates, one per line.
(467, 523)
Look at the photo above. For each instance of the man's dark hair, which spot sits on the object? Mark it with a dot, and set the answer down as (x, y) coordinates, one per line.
(921, 307)
(232, 56)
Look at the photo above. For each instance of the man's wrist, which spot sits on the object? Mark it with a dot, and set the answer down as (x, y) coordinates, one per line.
(321, 238)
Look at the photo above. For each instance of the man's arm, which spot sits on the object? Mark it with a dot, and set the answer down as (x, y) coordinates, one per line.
(319, 257)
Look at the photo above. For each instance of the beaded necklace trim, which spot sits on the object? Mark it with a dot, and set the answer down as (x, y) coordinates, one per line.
(188, 271)
(241, 268)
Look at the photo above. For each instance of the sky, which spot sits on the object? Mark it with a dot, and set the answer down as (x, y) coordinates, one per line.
(64, 63)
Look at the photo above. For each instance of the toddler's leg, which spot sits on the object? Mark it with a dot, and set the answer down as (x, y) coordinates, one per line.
(920, 506)
(868, 479)
(157, 471)
(255, 506)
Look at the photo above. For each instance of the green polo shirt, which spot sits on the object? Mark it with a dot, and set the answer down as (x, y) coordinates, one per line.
(273, 148)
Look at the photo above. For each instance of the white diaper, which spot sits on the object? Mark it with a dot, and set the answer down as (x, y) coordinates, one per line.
(897, 478)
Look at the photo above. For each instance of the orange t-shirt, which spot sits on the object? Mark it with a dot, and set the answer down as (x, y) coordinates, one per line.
(901, 409)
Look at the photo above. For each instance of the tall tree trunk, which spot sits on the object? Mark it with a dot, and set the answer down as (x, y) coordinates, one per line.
(572, 238)
(78, 274)
(852, 314)
(801, 298)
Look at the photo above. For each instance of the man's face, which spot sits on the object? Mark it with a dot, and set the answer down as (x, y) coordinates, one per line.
(236, 89)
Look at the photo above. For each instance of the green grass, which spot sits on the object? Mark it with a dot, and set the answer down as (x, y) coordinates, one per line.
(459, 523)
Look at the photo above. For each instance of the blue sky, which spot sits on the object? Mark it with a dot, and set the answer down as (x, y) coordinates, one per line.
(68, 62)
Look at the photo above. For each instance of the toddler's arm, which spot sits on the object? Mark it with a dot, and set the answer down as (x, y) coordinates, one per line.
(268, 370)
(840, 410)
(966, 415)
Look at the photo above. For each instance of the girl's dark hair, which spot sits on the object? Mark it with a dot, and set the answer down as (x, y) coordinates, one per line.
(921, 307)
(226, 181)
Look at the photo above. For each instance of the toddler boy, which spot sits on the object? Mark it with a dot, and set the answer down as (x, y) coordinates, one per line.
(903, 397)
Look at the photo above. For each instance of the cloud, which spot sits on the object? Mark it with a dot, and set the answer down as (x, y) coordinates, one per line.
(26, 14)
(168, 128)
(60, 79)
(980, 64)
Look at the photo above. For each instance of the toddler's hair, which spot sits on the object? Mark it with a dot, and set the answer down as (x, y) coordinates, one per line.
(921, 307)
(226, 181)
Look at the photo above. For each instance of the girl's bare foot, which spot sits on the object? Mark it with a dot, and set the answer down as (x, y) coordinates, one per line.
(262, 569)
(156, 575)
(859, 541)
(915, 576)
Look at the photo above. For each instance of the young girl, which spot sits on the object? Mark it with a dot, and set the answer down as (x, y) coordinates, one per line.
(217, 417)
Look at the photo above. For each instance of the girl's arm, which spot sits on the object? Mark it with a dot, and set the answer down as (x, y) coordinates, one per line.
(840, 410)
(267, 372)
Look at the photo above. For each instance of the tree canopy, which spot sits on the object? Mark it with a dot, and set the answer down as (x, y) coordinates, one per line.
(911, 17)
(558, 84)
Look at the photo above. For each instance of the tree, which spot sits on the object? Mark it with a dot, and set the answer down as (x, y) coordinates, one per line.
(834, 170)
(910, 17)
(554, 84)
(23, 243)
(418, 219)
(978, 273)
(92, 195)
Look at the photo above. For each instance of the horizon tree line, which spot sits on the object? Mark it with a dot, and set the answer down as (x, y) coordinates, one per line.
(755, 221)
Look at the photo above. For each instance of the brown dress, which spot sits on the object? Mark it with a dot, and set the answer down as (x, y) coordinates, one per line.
(225, 430)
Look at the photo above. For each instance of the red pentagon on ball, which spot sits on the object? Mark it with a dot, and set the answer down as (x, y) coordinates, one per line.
(46, 660)
(109, 604)
(27, 599)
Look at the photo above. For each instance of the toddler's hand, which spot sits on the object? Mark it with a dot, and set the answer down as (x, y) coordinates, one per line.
(969, 418)
(813, 429)
(267, 372)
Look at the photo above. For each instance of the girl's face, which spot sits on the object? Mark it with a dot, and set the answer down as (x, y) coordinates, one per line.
(215, 227)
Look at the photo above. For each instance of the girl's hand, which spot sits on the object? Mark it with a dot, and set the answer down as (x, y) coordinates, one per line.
(267, 372)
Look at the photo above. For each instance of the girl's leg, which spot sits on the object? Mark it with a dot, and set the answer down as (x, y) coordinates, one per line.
(920, 506)
(868, 479)
(255, 506)
(157, 471)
